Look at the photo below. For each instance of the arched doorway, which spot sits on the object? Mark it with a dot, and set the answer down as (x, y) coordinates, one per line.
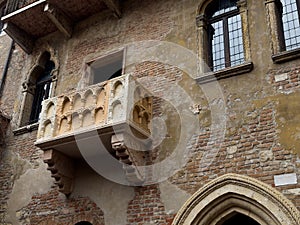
(232, 198)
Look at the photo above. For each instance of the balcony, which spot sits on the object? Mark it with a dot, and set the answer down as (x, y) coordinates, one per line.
(27, 20)
(116, 112)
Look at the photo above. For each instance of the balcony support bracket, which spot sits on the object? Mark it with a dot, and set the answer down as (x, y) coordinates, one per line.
(132, 154)
(63, 23)
(62, 170)
(23, 39)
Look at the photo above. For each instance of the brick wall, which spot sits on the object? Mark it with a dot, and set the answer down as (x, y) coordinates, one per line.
(51, 208)
(147, 208)
(262, 117)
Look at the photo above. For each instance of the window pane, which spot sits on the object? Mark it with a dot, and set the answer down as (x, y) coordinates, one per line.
(290, 19)
(223, 6)
(107, 68)
(235, 40)
(218, 46)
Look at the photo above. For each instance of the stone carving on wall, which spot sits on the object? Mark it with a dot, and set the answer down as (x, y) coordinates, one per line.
(28, 87)
(231, 150)
(196, 108)
(265, 155)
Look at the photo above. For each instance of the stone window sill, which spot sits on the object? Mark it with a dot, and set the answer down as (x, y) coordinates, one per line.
(286, 56)
(26, 129)
(225, 73)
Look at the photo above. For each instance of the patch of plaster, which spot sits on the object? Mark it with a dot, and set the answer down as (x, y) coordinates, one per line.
(19, 165)
(33, 181)
(287, 118)
(172, 197)
(112, 198)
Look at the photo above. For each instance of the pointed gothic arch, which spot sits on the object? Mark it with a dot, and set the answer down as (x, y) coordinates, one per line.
(233, 193)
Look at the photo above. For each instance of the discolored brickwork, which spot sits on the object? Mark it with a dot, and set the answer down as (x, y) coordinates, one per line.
(146, 207)
(51, 208)
(260, 138)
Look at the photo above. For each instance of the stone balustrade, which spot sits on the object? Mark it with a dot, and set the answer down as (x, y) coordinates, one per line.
(113, 102)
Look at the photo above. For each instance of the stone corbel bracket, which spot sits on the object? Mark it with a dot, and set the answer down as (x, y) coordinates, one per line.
(62, 170)
(132, 153)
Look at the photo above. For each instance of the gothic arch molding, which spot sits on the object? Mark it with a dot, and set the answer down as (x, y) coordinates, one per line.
(202, 7)
(233, 193)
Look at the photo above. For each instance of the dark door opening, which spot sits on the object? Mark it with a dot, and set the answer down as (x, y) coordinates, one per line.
(83, 223)
(239, 219)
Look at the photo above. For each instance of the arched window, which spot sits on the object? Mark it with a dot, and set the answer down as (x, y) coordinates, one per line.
(223, 38)
(225, 34)
(42, 90)
(36, 88)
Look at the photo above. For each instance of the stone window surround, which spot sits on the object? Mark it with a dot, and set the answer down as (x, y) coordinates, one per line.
(279, 55)
(202, 33)
(27, 89)
(89, 59)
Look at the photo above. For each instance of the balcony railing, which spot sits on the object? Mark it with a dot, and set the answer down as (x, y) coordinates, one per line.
(107, 104)
(13, 5)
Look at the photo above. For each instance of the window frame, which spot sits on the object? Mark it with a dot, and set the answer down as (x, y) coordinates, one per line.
(25, 124)
(39, 95)
(224, 17)
(204, 71)
(274, 17)
(283, 30)
(103, 61)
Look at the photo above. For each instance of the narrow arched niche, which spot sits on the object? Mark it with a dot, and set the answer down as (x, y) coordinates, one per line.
(66, 106)
(101, 98)
(89, 98)
(77, 102)
(99, 115)
(64, 126)
(48, 129)
(87, 118)
(76, 122)
(50, 110)
(136, 115)
(233, 194)
(117, 111)
(118, 87)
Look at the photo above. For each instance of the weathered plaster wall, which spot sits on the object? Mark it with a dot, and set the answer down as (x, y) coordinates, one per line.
(112, 198)
(261, 134)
